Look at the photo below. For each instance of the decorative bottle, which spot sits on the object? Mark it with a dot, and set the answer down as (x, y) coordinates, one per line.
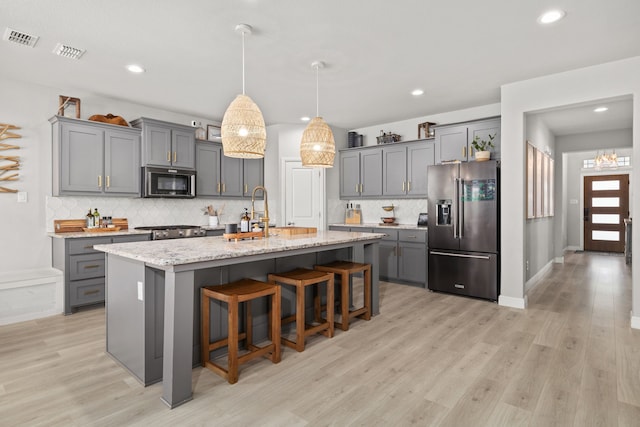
(244, 222)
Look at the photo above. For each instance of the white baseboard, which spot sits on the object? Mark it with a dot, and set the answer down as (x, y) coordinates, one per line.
(635, 321)
(30, 294)
(533, 281)
(512, 302)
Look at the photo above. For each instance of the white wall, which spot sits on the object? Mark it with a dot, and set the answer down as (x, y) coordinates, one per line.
(539, 250)
(603, 81)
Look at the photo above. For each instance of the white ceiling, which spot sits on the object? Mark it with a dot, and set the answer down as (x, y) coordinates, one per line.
(376, 51)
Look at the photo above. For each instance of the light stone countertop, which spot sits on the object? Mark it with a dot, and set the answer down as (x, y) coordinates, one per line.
(185, 251)
(378, 225)
(82, 234)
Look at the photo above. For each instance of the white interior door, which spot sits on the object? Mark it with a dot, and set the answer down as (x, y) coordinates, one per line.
(303, 195)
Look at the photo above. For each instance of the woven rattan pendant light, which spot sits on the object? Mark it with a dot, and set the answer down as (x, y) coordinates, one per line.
(317, 148)
(243, 132)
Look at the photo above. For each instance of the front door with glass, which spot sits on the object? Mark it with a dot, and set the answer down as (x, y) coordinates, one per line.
(606, 205)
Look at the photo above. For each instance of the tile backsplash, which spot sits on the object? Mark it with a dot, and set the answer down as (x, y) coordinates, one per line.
(406, 210)
(144, 212)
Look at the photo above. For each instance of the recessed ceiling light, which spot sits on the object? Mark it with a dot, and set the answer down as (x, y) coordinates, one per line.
(305, 118)
(417, 92)
(135, 68)
(600, 110)
(551, 16)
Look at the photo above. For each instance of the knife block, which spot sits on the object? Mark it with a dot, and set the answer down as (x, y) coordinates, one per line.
(353, 216)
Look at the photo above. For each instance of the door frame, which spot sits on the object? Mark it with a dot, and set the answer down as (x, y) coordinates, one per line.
(322, 191)
(618, 171)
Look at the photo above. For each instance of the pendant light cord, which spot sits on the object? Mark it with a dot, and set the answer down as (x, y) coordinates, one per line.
(317, 93)
(243, 63)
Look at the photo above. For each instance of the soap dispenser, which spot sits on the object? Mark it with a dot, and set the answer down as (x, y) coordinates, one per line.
(244, 222)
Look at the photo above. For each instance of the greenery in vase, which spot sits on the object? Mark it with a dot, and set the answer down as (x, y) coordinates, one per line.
(481, 144)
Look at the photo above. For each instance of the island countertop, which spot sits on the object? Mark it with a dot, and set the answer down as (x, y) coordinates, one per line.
(186, 251)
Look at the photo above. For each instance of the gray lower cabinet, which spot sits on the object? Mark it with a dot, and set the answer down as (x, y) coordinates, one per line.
(221, 176)
(84, 268)
(166, 144)
(453, 142)
(92, 158)
(403, 256)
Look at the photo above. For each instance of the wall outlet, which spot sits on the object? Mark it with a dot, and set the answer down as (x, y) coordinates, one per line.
(140, 292)
(22, 197)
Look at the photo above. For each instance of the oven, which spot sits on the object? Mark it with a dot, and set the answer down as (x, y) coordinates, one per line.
(163, 232)
(168, 182)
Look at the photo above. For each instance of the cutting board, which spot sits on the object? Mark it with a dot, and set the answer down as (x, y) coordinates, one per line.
(78, 225)
(290, 231)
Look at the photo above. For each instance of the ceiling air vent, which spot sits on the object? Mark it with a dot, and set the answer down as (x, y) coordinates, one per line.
(19, 37)
(68, 51)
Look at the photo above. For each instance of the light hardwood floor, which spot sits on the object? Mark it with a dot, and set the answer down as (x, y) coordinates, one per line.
(570, 359)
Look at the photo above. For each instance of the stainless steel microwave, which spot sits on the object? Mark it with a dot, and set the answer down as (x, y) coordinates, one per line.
(168, 182)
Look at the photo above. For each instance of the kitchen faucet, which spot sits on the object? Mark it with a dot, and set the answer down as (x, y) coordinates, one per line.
(265, 218)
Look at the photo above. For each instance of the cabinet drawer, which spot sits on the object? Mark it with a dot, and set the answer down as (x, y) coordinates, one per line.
(86, 266)
(413, 236)
(85, 246)
(388, 234)
(86, 291)
(135, 238)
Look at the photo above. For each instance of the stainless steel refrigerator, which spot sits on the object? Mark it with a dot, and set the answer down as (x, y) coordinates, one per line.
(464, 228)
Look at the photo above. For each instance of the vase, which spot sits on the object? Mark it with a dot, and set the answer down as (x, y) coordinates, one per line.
(213, 221)
(483, 156)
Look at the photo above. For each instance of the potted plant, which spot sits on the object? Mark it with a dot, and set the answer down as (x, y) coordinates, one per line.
(482, 147)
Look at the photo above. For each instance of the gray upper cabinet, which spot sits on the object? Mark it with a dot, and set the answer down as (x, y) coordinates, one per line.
(207, 169)
(454, 141)
(92, 158)
(221, 176)
(404, 168)
(360, 173)
(166, 144)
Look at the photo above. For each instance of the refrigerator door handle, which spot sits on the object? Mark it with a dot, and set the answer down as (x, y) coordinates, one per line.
(461, 208)
(460, 255)
(455, 209)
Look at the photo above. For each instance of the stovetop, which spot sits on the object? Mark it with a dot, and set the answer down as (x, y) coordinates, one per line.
(161, 232)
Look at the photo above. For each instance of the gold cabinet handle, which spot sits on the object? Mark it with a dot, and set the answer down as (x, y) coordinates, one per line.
(175, 156)
(464, 151)
(168, 156)
(218, 187)
(395, 251)
(357, 188)
(92, 292)
(89, 247)
(91, 266)
(470, 151)
(108, 181)
(246, 189)
(224, 188)
(361, 188)
(99, 181)
(403, 186)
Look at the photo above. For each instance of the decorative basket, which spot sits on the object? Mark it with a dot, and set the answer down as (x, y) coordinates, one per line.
(388, 138)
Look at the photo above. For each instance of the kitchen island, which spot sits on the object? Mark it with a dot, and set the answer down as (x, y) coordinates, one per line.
(153, 293)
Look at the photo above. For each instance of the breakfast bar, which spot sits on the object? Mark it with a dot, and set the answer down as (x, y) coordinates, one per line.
(153, 293)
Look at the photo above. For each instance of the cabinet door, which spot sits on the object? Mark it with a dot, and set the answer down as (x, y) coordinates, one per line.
(412, 262)
(452, 142)
(394, 171)
(157, 146)
(81, 159)
(253, 175)
(231, 176)
(184, 149)
(349, 174)
(207, 169)
(419, 158)
(483, 130)
(388, 260)
(122, 162)
(371, 173)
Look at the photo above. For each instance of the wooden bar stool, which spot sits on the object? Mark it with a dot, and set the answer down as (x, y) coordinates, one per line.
(301, 278)
(345, 269)
(244, 290)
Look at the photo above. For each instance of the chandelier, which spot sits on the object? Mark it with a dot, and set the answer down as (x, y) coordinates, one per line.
(605, 160)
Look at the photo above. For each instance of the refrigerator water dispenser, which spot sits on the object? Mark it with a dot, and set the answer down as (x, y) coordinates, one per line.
(443, 212)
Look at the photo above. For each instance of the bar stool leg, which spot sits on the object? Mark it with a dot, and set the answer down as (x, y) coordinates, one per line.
(300, 318)
(330, 304)
(344, 303)
(274, 333)
(233, 339)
